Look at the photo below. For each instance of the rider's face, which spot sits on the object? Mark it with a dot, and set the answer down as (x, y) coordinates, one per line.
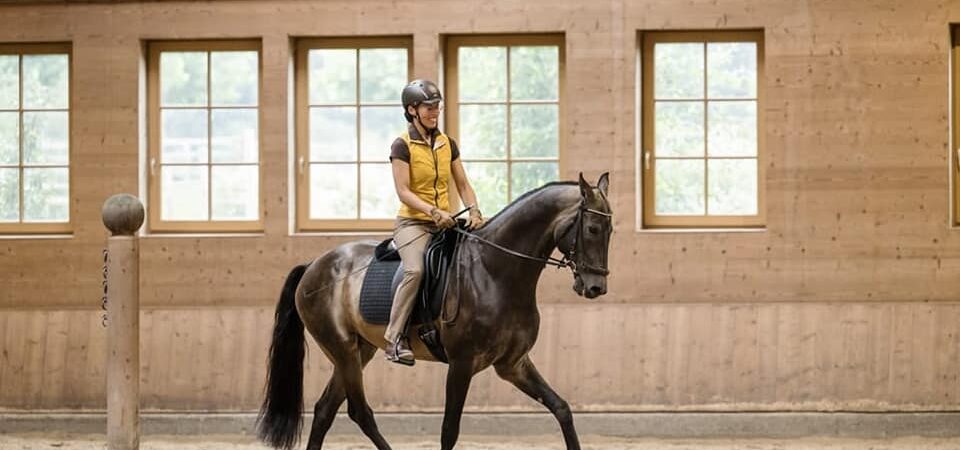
(429, 114)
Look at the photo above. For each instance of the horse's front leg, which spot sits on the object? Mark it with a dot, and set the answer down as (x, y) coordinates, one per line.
(458, 383)
(523, 374)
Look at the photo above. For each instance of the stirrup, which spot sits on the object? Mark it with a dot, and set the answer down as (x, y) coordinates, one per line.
(394, 356)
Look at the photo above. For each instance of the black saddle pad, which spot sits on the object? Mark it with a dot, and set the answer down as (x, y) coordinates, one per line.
(376, 295)
(386, 271)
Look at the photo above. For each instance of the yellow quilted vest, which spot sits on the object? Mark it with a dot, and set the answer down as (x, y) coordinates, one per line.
(429, 173)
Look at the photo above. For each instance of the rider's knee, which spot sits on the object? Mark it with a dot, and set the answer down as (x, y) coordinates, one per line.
(413, 274)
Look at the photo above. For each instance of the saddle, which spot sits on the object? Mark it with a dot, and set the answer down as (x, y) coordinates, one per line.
(385, 273)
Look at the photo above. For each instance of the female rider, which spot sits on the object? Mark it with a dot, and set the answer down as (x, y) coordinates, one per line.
(423, 159)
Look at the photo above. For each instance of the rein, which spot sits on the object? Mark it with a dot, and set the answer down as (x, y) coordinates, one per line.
(568, 256)
(559, 263)
(566, 261)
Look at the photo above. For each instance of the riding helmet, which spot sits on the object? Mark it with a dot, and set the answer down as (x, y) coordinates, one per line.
(417, 92)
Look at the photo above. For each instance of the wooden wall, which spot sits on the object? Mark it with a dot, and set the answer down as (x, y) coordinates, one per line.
(848, 300)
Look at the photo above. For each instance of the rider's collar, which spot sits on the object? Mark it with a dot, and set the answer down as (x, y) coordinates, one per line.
(415, 133)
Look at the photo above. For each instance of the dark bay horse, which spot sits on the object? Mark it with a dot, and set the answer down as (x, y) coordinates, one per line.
(496, 325)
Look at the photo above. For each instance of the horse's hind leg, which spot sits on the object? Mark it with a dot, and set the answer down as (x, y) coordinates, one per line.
(523, 374)
(333, 396)
(325, 410)
(349, 370)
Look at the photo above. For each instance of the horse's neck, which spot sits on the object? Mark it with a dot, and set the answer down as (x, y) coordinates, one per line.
(529, 228)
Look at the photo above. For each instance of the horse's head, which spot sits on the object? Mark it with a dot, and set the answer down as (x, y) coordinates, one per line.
(585, 240)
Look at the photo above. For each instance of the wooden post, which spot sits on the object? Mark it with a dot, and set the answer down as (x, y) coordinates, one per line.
(123, 215)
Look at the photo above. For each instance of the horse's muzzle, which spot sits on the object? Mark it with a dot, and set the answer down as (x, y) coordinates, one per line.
(592, 287)
(594, 291)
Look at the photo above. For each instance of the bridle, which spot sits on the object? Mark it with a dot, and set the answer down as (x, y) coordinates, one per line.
(569, 255)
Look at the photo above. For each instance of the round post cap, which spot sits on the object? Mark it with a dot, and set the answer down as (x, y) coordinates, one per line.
(122, 214)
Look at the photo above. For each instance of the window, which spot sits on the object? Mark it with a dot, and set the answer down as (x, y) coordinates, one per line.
(35, 138)
(504, 107)
(204, 171)
(702, 134)
(348, 114)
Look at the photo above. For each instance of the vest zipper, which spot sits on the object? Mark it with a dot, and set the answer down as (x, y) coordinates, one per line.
(436, 175)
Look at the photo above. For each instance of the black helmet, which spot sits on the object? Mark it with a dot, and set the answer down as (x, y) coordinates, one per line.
(417, 92)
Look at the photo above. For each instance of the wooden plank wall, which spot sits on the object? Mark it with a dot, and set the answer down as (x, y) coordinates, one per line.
(847, 301)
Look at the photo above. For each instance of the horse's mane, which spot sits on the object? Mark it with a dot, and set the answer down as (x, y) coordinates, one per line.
(509, 209)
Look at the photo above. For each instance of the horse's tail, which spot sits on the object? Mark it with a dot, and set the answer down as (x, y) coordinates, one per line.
(281, 415)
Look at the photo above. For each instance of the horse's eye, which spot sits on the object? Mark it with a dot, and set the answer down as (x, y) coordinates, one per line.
(593, 229)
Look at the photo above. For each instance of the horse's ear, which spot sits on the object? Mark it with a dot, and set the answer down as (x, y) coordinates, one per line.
(604, 183)
(585, 189)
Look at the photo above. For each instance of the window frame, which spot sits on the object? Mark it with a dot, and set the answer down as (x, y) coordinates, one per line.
(40, 228)
(647, 151)
(302, 120)
(154, 162)
(955, 124)
(452, 96)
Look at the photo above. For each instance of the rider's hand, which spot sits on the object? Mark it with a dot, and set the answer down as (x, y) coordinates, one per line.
(442, 218)
(476, 219)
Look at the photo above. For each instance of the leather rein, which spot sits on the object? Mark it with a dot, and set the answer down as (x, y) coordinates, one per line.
(569, 256)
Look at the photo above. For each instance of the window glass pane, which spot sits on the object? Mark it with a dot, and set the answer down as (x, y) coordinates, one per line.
(45, 137)
(733, 186)
(234, 136)
(679, 187)
(9, 195)
(379, 127)
(183, 138)
(233, 78)
(45, 81)
(183, 79)
(9, 81)
(678, 128)
(333, 191)
(534, 73)
(379, 198)
(45, 195)
(529, 176)
(533, 131)
(234, 192)
(9, 138)
(483, 131)
(333, 134)
(482, 73)
(678, 70)
(489, 180)
(733, 128)
(732, 69)
(383, 74)
(333, 76)
(184, 192)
